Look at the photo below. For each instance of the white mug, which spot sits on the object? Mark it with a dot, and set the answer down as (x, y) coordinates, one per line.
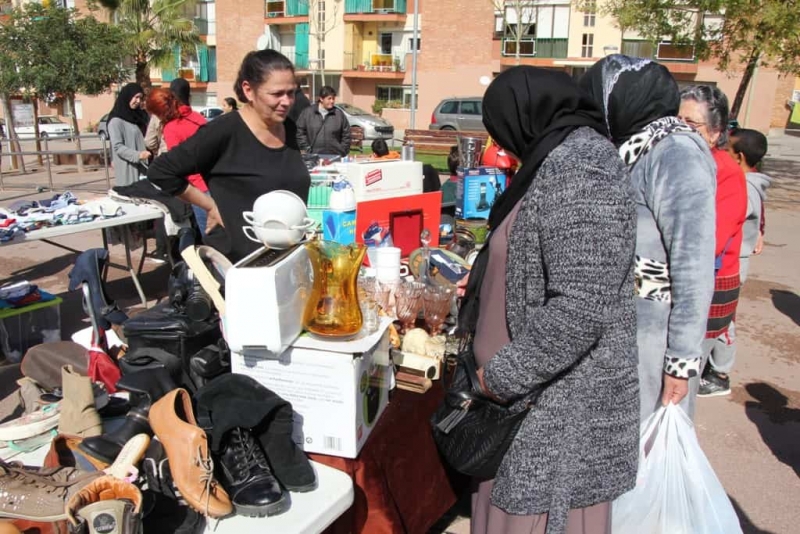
(387, 256)
(391, 274)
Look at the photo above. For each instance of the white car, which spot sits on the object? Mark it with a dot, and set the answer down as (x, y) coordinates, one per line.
(210, 113)
(49, 126)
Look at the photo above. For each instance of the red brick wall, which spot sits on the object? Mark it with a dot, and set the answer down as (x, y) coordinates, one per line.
(455, 52)
(239, 25)
(780, 110)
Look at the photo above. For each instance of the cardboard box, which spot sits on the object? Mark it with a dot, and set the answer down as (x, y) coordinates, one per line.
(477, 190)
(385, 179)
(405, 217)
(339, 226)
(338, 389)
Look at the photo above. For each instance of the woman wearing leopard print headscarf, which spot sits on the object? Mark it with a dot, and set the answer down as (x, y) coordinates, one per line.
(673, 178)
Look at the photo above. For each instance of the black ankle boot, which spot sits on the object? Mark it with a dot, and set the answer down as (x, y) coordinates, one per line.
(290, 464)
(106, 447)
(146, 387)
(245, 475)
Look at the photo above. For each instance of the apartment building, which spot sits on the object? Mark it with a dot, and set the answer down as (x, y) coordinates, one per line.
(471, 44)
(364, 47)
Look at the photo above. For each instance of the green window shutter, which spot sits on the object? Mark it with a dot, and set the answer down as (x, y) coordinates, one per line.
(212, 64)
(400, 6)
(295, 8)
(170, 73)
(301, 46)
(202, 57)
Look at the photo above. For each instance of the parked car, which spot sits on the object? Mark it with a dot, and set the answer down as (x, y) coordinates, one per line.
(102, 127)
(458, 114)
(49, 126)
(210, 113)
(374, 127)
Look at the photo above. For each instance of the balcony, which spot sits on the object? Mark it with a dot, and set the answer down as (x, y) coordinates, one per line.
(198, 66)
(286, 11)
(376, 66)
(535, 48)
(205, 26)
(679, 59)
(375, 10)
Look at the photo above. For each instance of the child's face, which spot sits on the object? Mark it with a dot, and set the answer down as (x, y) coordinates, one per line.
(738, 157)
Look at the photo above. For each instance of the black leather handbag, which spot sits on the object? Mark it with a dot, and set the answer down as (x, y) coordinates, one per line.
(472, 431)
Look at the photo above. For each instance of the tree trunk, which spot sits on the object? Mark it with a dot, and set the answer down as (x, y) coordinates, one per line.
(17, 162)
(36, 133)
(78, 157)
(749, 69)
(143, 75)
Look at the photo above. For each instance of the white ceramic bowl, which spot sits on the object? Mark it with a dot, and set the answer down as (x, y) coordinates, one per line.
(274, 238)
(277, 209)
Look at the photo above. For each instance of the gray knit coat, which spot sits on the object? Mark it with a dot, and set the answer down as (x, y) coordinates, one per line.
(572, 323)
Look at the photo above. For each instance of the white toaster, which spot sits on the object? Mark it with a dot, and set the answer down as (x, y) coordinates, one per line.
(265, 297)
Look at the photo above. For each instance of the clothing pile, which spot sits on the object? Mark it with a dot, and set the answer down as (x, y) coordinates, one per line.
(27, 215)
(21, 294)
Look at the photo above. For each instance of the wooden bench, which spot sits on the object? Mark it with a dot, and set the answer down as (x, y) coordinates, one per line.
(438, 141)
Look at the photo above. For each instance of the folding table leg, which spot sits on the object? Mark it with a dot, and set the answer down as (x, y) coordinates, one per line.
(126, 233)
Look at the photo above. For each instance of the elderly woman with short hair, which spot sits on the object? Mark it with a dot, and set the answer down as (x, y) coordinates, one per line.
(705, 109)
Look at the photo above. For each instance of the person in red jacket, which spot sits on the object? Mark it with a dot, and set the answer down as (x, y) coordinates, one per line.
(705, 108)
(179, 123)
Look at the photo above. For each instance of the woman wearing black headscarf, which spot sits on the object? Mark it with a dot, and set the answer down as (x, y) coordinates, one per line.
(673, 177)
(127, 123)
(549, 310)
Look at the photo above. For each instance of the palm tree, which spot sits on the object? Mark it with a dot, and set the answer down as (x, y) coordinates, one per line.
(154, 29)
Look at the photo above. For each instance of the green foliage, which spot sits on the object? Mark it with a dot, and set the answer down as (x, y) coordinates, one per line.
(766, 28)
(153, 30)
(55, 54)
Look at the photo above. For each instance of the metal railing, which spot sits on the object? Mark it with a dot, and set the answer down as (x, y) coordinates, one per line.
(47, 155)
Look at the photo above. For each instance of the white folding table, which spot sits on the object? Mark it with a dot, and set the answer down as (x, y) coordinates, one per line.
(134, 213)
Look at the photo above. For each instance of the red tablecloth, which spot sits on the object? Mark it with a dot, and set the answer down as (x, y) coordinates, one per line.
(400, 483)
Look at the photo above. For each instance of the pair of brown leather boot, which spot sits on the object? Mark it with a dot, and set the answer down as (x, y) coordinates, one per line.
(172, 419)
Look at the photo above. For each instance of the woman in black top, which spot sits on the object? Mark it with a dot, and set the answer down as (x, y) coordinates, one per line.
(241, 155)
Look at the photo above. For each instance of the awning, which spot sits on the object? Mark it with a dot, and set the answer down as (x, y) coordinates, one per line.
(575, 62)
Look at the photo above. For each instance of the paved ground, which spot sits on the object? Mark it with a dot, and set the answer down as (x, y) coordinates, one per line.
(751, 437)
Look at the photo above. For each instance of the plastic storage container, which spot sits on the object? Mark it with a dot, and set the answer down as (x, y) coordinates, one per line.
(23, 328)
(319, 196)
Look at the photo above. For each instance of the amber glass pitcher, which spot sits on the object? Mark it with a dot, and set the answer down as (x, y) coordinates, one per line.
(333, 310)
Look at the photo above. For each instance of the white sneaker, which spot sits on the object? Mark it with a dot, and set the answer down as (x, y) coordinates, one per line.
(31, 424)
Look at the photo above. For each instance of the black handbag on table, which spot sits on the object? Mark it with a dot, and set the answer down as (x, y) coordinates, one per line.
(472, 431)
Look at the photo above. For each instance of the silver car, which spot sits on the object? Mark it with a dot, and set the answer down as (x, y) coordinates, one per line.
(458, 114)
(374, 127)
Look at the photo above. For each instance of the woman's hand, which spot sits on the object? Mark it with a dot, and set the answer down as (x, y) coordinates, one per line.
(461, 286)
(759, 245)
(214, 219)
(675, 389)
(144, 155)
(486, 390)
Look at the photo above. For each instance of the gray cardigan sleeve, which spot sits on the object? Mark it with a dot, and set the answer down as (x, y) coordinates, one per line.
(587, 232)
(681, 192)
(116, 131)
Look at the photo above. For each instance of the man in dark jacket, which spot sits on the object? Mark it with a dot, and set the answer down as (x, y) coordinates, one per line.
(323, 128)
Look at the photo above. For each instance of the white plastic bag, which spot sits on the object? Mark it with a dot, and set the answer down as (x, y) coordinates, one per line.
(676, 489)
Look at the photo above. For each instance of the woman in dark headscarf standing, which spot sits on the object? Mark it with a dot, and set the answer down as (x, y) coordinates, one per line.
(549, 309)
(673, 177)
(127, 123)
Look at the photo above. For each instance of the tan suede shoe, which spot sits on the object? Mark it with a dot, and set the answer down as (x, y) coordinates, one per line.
(173, 422)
